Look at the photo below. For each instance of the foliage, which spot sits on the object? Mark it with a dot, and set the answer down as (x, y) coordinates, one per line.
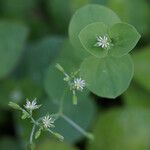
(75, 56)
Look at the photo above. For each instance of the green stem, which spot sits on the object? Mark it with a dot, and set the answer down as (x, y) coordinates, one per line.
(34, 122)
(32, 133)
(77, 127)
(50, 131)
(61, 103)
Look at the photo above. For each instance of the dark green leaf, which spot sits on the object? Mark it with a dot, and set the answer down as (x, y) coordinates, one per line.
(142, 67)
(12, 40)
(122, 129)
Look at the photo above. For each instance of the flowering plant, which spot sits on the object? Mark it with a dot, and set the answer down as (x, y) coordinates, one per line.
(104, 67)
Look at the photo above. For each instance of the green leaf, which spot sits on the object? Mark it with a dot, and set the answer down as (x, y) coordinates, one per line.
(107, 77)
(57, 135)
(54, 145)
(54, 79)
(70, 62)
(14, 106)
(127, 11)
(61, 11)
(124, 38)
(16, 10)
(17, 91)
(142, 67)
(136, 96)
(122, 129)
(83, 114)
(88, 37)
(12, 40)
(40, 54)
(37, 134)
(87, 15)
(71, 54)
(8, 88)
(55, 86)
(25, 114)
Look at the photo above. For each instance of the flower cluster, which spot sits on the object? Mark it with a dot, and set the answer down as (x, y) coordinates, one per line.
(43, 123)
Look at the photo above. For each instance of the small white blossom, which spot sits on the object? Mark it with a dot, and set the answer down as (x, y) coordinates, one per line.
(48, 121)
(102, 42)
(79, 84)
(31, 105)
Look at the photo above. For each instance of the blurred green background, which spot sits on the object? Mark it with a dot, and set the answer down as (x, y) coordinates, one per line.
(34, 35)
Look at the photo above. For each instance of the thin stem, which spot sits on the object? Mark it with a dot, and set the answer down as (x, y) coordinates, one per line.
(32, 133)
(75, 73)
(61, 103)
(77, 127)
(50, 131)
(33, 120)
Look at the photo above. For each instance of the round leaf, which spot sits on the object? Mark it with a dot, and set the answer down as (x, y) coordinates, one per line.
(55, 86)
(40, 54)
(136, 96)
(12, 40)
(54, 83)
(88, 37)
(142, 67)
(87, 15)
(124, 38)
(109, 76)
(83, 114)
(135, 12)
(70, 61)
(61, 11)
(126, 129)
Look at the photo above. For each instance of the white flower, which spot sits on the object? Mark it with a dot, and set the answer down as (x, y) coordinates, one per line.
(31, 105)
(79, 84)
(48, 121)
(102, 42)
